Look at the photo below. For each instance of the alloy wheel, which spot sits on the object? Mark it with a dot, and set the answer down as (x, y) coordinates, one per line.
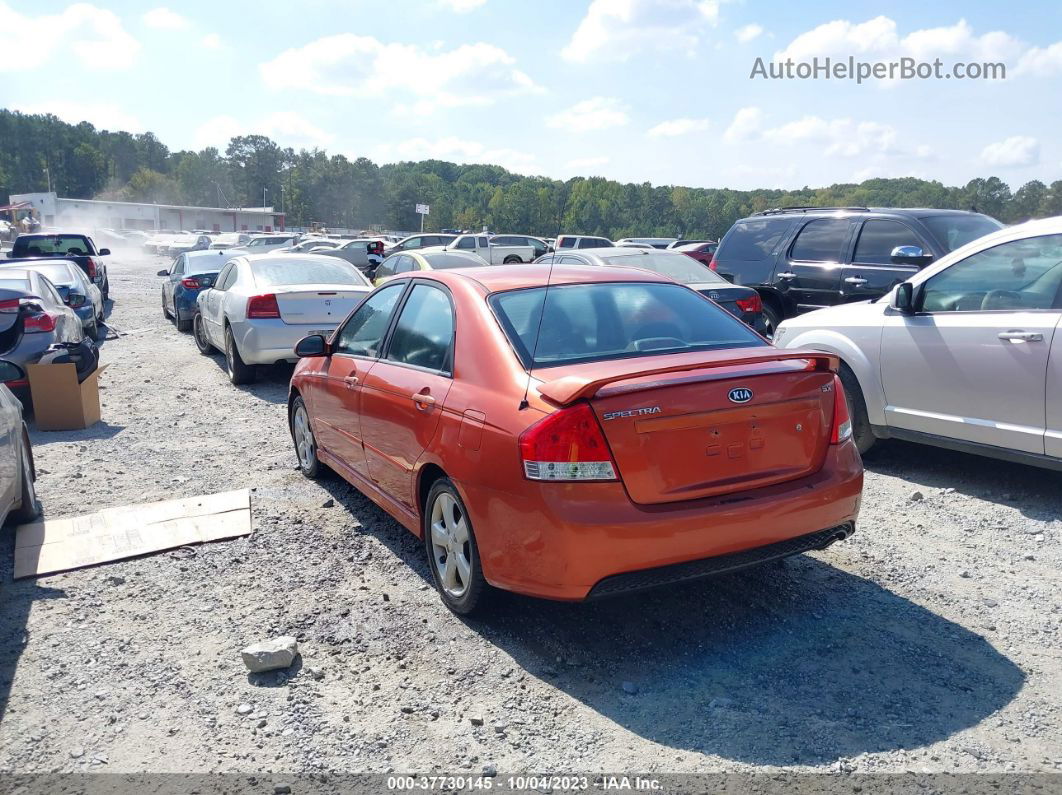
(451, 548)
(304, 443)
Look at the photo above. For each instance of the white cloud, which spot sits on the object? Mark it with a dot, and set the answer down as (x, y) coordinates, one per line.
(745, 126)
(162, 18)
(1041, 61)
(287, 128)
(211, 41)
(102, 115)
(747, 33)
(454, 149)
(1017, 150)
(362, 66)
(94, 36)
(587, 162)
(616, 29)
(675, 127)
(598, 113)
(462, 6)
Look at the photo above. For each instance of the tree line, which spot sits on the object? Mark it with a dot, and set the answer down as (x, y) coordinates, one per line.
(81, 161)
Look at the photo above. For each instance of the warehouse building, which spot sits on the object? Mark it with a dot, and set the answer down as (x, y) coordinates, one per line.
(94, 214)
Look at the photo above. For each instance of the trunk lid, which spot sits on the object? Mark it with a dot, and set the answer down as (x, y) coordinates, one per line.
(322, 304)
(716, 429)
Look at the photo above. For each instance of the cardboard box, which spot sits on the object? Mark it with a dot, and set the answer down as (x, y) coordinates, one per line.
(60, 403)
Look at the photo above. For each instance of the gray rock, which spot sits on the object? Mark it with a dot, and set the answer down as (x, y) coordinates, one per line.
(244, 709)
(490, 771)
(476, 720)
(917, 496)
(329, 503)
(77, 753)
(629, 688)
(270, 655)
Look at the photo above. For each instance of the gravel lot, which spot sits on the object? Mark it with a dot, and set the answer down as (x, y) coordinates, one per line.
(929, 641)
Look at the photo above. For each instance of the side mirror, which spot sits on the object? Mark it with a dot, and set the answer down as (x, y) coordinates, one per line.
(904, 298)
(103, 252)
(910, 255)
(163, 272)
(9, 371)
(314, 345)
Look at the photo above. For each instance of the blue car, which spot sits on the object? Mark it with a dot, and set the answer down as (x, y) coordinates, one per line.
(191, 272)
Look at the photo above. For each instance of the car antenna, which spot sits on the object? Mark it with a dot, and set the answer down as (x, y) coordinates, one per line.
(538, 332)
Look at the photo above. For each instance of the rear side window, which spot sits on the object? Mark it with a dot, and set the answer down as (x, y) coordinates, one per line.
(594, 322)
(879, 238)
(424, 334)
(754, 240)
(566, 242)
(821, 240)
(595, 242)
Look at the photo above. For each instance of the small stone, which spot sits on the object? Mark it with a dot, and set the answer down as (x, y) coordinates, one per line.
(990, 603)
(114, 580)
(917, 496)
(316, 673)
(262, 723)
(629, 688)
(966, 575)
(270, 655)
(408, 710)
(490, 771)
(476, 720)
(244, 709)
(329, 503)
(282, 789)
(77, 753)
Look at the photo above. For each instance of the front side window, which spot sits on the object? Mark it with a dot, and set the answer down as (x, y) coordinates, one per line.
(387, 267)
(363, 333)
(424, 334)
(466, 242)
(483, 242)
(405, 264)
(821, 241)
(1019, 275)
(879, 238)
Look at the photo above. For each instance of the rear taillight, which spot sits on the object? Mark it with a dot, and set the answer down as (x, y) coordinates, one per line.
(75, 300)
(711, 263)
(567, 445)
(37, 323)
(11, 305)
(751, 304)
(842, 420)
(191, 283)
(261, 306)
(91, 268)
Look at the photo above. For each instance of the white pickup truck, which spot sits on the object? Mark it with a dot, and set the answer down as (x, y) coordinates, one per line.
(494, 255)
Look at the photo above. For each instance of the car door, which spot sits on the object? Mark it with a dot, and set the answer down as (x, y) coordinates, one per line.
(10, 446)
(874, 271)
(404, 392)
(811, 275)
(176, 274)
(335, 399)
(213, 304)
(972, 363)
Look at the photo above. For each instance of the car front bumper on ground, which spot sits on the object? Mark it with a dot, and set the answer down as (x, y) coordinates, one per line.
(271, 340)
(566, 541)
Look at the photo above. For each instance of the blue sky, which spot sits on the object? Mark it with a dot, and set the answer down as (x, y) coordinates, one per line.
(635, 90)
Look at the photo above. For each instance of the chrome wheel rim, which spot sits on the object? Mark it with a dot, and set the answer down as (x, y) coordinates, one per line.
(200, 335)
(304, 444)
(451, 546)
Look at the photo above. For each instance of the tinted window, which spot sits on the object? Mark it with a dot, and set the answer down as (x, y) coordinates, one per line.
(364, 332)
(466, 242)
(306, 271)
(424, 333)
(405, 265)
(879, 238)
(566, 242)
(53, 245)
(413, 242)
(591, 322)
(483, 242)
(753, 240)
(595, 242)
(387, 267)
(821, 241)
(953, 231)
(506, 240)
(1023, 274)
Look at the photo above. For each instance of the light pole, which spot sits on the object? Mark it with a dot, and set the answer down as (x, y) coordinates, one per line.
(264, 197)
(48, 177)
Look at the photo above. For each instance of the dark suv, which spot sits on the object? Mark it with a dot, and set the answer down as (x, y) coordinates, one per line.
(805, 258)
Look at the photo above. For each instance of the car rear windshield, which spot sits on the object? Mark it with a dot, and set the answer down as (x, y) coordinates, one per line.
(678, 267)
(954, 231)
(753, 240)
(612, 320)
(56, 274)
(442, 262)
(52, 246)
(21, 285)
(284, 271)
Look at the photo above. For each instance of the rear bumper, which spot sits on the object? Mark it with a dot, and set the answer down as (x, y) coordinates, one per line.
(562, 541)
(271, 340)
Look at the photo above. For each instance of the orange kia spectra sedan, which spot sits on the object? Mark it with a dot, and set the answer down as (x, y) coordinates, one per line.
(608, 432)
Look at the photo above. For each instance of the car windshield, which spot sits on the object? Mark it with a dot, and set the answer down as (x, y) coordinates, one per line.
(955, 231)
(306, 271)
(679, 267)
(52, 246)
(611, 320)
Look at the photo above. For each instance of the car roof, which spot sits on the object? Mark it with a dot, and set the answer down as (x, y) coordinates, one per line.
(819, 212)
(515, 277)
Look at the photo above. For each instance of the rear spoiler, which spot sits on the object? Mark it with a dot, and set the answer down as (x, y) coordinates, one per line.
(568, 389)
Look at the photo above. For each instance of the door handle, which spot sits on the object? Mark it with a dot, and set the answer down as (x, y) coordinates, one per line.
(1021, 336)
(351, 380)
(423, 400)
(855, 281)
(787, 275)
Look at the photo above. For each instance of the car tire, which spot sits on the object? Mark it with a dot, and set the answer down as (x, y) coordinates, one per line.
(199, 333)
(239, 371)
(184, 325)
(448, 535)
(862, 433)
(512, 260)
(30, 508)
(771, 318)
(92, 331)
(165, 311)
(304, 440)
(106, 289)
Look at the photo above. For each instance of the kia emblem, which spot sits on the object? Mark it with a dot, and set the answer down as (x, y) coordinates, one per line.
(740, 394)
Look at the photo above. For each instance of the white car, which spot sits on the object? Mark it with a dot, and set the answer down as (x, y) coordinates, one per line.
(230, 240)
(492, 254)
(966, 354)
(261, 244)
(261, 305)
